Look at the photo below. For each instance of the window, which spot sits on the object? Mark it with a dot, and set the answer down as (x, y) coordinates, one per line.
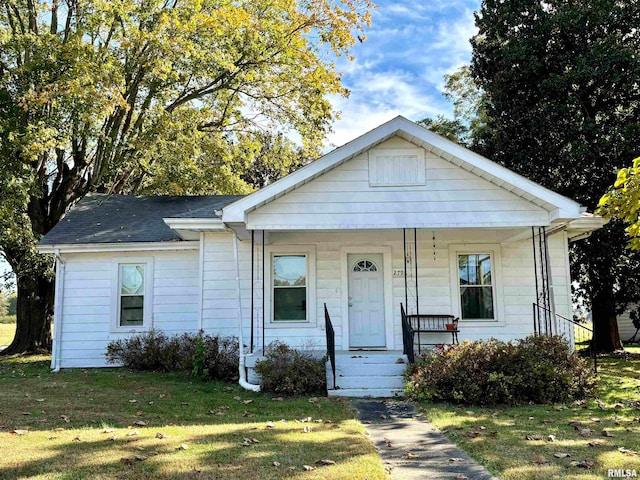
(131, 281)
(131, 294)
(475, 281)
(289, 282)
(365, 266)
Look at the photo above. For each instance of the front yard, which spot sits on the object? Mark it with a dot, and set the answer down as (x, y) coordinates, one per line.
(543, 441)
(111, 423)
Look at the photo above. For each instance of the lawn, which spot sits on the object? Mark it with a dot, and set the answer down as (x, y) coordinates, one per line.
(7, 329)
(522, 442)
(112, 423)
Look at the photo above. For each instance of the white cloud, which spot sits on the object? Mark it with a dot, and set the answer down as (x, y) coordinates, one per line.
(399, 69)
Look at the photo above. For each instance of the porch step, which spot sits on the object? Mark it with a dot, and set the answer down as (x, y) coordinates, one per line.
(368, 374)
(367, 392)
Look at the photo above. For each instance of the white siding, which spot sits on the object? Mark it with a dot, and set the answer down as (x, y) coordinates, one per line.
(344, 199)
(86, 326)
(176, 301)
(625, 326)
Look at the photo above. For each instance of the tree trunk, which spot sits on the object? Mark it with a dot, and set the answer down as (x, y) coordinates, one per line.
(605, 329)
(34, 312)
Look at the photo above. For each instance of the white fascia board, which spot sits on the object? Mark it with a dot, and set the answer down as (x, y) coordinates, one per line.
(200, 224)
(235, 212)
(119, 247)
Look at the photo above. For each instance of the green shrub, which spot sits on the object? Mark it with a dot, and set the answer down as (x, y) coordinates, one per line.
(288, 371)
(205, 356)
(535, 369)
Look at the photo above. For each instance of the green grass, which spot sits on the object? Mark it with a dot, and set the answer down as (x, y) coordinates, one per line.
(497, 437)
(66, 414)
(7, 329)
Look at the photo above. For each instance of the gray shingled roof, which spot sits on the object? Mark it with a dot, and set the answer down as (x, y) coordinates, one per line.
(99, 218)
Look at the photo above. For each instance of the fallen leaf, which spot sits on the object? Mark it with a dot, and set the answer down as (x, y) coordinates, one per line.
(19, 431)
(607, 433)
(134, 401)
(412, 455)
(313, 400)
(596, 420)
(586, 464)
(26, 413)
(65, 418)
(247, 402)
(575, 424)
(277, 399)
(76, 439)
(561, 455)
(303, 420)
(585, 432)
(602, 406)
(39, 399)
(276, 464)
(306, 429)
(325, 462)
(141, 458)
(140, 423)
(183, 446)
(472, 434)
(184, 404)
(551, 438)
(160, 435)
(139, 413)
(132, 433)
(533, 437)
(237, 398)
(539, 460)
(308, 468)
(594, 443)
(59, 429)
(547, 421)
(107, 430)
(112, 438)
(126, 461)
(52, 438)
(460, 476)
(629, 453)
(400, 361)
(270, 425)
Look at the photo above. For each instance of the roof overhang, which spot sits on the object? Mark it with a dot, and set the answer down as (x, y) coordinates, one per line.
(118, 247)
(560, 207)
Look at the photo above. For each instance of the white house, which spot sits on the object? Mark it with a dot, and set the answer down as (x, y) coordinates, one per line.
(397, 216)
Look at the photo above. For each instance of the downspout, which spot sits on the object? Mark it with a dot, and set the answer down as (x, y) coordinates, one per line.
(241, 364)
(57, 311)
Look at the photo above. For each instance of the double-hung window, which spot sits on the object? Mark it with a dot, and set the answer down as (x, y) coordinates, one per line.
(476, 286)
(132, 300)
(289, 284)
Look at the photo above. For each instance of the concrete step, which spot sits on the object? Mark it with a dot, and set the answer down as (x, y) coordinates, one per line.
(372, 381)
(367, 392)
(359, 369)
(368, 358)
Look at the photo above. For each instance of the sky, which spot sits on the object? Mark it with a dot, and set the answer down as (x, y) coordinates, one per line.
(399, 69)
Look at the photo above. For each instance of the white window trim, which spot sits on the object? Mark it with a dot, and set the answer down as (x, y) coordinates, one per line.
(312, 314)
(496, 273)
(147, 321)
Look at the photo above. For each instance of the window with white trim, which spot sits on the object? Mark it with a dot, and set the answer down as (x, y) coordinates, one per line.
(131, 282)
(289, 287)
(476, 286)
(132, 294)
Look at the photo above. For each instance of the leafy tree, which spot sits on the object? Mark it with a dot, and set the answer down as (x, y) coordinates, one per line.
(623, 202)
(148, 96)
(469, 109)
(4, 303)
(563, 108)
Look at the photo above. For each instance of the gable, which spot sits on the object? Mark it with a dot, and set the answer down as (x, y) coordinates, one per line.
(397, 184)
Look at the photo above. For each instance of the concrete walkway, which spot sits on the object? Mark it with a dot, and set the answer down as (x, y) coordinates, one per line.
(412, 448)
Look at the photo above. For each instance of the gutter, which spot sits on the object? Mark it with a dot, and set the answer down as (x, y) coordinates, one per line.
(57, 312)
(241, 364)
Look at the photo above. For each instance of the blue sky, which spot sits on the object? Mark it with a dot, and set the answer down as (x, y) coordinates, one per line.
(399, 69)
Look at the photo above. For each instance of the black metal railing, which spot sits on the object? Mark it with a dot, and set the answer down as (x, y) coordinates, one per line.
(331, 343)
(577, 334)
(407, 336)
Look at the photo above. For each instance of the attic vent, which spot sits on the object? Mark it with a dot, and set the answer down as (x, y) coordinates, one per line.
(396, 167)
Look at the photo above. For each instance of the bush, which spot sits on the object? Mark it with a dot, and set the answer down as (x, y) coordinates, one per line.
(291, 372)
(205, 356)
(535, 369)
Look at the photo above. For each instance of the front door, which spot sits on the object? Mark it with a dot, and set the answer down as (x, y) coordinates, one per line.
(366, 301)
